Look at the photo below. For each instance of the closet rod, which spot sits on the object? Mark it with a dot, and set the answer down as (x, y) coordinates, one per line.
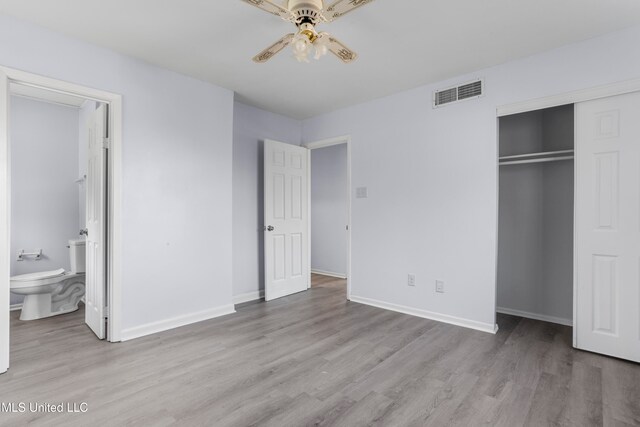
(550, 159)
(546, 153)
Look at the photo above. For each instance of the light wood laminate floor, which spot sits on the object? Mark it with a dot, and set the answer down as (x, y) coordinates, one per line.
(316, 359)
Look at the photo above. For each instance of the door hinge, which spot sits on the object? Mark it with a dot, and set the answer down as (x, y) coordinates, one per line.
(106, 144)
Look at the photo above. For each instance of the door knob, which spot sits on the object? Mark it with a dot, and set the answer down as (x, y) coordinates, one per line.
(270, 228)
(84, 232)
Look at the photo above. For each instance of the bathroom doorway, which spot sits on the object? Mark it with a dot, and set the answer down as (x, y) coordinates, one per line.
(61, 196)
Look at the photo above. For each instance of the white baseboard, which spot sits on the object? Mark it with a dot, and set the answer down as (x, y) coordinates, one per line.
(329, 273)
(248, 297)
(535, 316)
(15, 307)
(458, 321)
(176, 322)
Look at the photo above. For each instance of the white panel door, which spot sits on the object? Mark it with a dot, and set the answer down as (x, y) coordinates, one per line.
(607, 318)
(286, 217)
(95, 298)
(4, 223)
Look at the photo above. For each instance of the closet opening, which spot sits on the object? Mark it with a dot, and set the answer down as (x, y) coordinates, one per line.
(536, 215)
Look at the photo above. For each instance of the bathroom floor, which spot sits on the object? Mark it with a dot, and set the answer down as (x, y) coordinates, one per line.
(316, 359)
(29, 339)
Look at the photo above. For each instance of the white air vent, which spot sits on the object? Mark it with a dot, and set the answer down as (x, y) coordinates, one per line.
(450, 95)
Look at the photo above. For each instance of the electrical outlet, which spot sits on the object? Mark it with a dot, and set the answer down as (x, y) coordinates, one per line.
(440, 286)
(411, 280)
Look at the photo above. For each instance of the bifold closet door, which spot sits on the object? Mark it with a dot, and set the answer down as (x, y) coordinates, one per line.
(607, 317)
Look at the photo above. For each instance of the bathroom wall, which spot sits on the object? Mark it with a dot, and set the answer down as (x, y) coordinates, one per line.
(329, 210)
(251, 127)
(44, 196)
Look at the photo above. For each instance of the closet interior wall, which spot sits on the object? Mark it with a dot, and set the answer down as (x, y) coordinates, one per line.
(536, 216)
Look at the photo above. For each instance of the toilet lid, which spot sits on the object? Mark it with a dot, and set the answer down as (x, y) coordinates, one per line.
(38, 276)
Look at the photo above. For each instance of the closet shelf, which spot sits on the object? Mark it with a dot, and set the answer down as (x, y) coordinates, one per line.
(542, 157)
(541, 154)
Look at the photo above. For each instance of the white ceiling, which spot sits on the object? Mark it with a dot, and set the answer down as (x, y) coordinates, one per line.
(402, 43)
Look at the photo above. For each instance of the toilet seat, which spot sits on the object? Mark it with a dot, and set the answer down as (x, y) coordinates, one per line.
(37, 276)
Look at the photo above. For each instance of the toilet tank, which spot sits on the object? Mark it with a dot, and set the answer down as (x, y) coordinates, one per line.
(77, 255)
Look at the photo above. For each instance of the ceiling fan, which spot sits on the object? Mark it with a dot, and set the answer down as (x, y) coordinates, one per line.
(306, 14)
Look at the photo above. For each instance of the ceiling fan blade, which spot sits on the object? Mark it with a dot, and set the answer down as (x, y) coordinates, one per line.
(269, 52)
(338, 48)
(272, 8)
(341, 7)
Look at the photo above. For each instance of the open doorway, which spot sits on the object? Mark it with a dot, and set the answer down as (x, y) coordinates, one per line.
(329, 216)
(60, 193)
(330, 213)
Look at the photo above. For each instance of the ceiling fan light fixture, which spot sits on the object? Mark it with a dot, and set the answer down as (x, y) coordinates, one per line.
(306, 40)
(306, 14)
(301, 47)
(321, 45)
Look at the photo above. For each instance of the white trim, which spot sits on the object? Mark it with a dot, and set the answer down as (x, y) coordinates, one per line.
(47, 101)
(114, 101)
(582, 95)
(114, 285)
(329, 273)
(535, 316)
(497, 224)
(309, 216)
(5, 213)
(176, 322)
(576, 152)
(248, 297)
(330, 142)
(15, 307)
(445, 318)
(345, 139)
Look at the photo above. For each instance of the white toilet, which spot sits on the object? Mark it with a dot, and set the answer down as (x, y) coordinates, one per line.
(50, 293)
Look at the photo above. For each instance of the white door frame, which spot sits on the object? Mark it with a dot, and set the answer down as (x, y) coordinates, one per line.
(329, 143)
(114, 239)
(574, 97)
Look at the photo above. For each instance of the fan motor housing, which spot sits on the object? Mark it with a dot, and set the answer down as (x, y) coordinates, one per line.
(306, 11)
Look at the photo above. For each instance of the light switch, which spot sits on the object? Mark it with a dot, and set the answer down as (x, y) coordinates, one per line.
(362, 193)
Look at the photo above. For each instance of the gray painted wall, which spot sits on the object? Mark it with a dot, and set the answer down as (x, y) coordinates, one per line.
(329, 209)
(44, 196)
(432, 177)
(251, 127)
(535, 245)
